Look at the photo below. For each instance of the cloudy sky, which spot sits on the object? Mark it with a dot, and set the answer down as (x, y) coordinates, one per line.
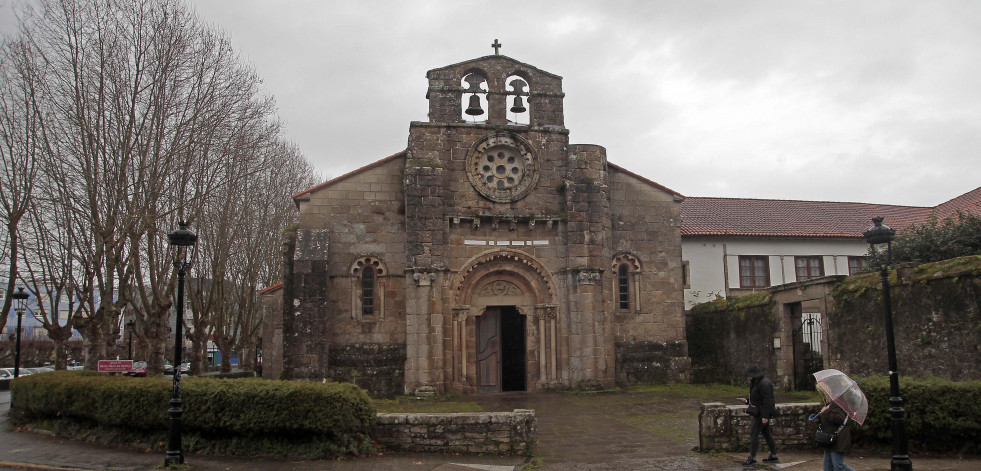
(868, 101)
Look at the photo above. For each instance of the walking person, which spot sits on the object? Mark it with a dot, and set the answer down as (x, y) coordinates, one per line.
(833, 417)
(761, 396)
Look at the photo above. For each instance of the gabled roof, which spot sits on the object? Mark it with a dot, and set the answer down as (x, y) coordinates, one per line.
(646, 180)
(273, 288)
(348, 175)
(785, 218)
(494, 58)
(969, 202)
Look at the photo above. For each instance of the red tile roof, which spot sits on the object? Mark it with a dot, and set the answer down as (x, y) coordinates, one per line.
(272, 288)
(783, 218)
(969, 202)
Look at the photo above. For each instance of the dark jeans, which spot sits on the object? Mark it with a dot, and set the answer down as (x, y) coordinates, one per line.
(754, 434)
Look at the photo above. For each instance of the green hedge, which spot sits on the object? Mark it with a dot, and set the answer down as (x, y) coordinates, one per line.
(940, 416)
(251, 416)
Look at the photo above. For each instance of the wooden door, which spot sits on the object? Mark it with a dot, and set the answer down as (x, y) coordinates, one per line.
(489, 351)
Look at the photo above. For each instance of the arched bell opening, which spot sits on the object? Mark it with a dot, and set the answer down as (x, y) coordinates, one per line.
(473, 105)
(518, 100)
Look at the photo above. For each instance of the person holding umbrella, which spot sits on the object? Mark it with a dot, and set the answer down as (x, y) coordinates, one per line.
(845, 404)
(833, 417)
(761, 396)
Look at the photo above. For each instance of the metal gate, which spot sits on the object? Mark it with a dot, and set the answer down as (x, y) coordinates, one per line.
(807, 350)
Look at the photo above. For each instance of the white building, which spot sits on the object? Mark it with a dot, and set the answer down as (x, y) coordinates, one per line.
(735, 246)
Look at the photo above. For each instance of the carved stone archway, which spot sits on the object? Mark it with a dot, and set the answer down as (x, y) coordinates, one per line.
(504, 278)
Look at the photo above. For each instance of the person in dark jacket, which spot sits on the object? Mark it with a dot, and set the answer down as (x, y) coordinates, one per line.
(832, 416)
(760, 395)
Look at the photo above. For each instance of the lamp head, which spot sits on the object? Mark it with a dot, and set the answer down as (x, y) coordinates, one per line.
(20, 297)
(182, 237)
(879, 233)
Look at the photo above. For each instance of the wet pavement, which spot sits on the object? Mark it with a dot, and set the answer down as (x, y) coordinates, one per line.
(595, 432)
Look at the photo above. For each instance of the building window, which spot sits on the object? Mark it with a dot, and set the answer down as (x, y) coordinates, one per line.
(368, 289)
(627, 270)
(368, 293)
(809, 267)
(754, 271)
(623, 288)
(857, 265)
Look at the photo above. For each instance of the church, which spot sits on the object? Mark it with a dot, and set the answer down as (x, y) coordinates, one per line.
(489, 255)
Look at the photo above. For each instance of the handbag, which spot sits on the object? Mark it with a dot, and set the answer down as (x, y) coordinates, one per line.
(753, 410)
(825, 439)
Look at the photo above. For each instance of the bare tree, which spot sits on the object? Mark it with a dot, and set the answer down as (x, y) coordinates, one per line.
(149, 118)
(22, 140)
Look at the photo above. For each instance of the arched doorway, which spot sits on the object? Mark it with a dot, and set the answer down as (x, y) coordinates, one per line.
(504, 324)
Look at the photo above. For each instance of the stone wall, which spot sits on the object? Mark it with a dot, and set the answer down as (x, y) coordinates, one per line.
(651, 362)
(726, 336)
(501, 433)
(376, 368)
(726, 428)
(936, 312)
(935, 308)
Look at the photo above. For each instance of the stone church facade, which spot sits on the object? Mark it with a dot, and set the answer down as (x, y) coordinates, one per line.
(490, 255)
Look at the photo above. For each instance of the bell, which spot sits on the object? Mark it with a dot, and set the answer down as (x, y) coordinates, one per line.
(474, 108)
(519, 105)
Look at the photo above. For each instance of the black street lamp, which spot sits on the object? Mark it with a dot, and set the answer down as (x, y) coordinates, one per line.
(129, 331)
(21, 298)
(182, 239)
(882, 234)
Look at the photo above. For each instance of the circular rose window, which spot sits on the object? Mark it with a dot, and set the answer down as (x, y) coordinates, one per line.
(502, 168)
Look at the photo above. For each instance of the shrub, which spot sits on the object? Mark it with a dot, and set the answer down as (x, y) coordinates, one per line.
(294, 418)
(940, 415)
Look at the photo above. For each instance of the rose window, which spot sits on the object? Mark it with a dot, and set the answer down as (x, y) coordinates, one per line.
(502, 168)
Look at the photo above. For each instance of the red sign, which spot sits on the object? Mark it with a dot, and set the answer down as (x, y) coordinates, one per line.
(115, 366)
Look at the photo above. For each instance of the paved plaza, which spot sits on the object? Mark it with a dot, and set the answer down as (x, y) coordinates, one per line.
(595, 432)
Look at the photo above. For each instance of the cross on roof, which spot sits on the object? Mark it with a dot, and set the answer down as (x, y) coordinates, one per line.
(497, 47)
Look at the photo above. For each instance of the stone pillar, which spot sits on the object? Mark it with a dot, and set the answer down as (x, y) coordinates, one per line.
(420, 351)
(305, 326)
(589, 254)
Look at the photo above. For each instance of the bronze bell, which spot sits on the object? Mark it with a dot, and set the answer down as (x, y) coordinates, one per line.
(474, 108)
(519, 105)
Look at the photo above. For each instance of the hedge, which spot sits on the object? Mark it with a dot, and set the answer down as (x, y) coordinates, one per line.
(941, 416)
(251, 416)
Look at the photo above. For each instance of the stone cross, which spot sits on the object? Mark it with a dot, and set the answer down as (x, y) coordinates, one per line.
(497, 47)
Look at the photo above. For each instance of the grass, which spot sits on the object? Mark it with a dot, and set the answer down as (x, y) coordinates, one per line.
(433, 405)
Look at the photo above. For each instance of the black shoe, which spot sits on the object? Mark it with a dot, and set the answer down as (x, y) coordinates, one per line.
(749, 462)
(773, 458)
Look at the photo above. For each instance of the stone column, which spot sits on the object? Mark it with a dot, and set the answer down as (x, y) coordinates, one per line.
(589, 255)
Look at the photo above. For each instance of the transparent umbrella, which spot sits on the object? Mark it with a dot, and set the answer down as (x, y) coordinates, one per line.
(844, 391)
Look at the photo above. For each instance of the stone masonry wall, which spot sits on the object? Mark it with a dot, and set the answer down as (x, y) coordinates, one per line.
(376, 368)
(651, 362)
(500, 433)
(726, 428)
(646, 223)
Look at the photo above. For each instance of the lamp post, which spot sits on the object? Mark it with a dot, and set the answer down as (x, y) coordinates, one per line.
(129, 331)
(182, 239)
(21, 298)
(882, 234)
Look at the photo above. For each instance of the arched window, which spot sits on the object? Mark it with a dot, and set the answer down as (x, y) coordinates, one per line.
(626, 285)
(368, 289)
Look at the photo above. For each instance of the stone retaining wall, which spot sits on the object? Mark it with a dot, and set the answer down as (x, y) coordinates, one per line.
(501, 433)
(726, 428)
